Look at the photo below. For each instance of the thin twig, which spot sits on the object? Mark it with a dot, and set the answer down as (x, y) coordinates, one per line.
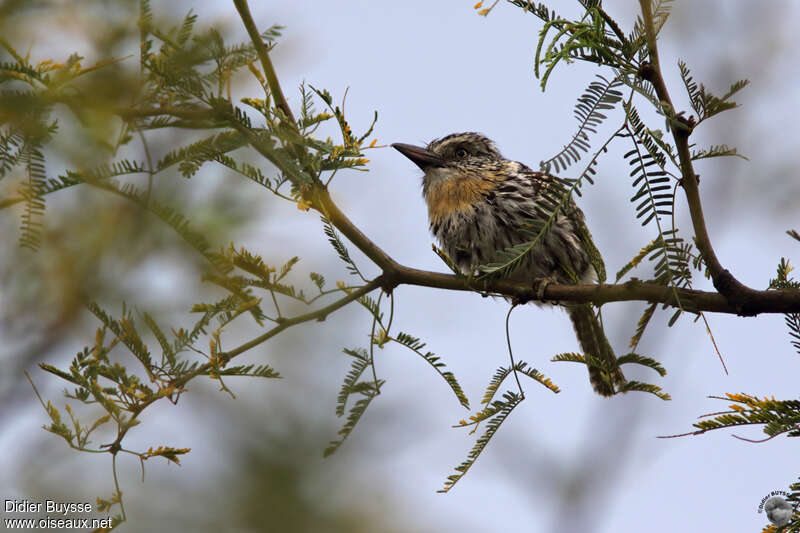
(319, 314)
(511, 353)
(116, 485)
(372, 344)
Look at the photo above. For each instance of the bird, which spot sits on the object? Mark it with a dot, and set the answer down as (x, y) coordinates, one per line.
(480, 204)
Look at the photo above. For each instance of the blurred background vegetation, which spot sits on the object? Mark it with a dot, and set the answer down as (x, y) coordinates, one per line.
(257, 462)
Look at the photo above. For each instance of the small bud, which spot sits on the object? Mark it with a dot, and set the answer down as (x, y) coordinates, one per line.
(257, 73)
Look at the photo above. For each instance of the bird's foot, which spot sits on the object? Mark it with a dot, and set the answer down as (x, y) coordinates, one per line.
(539, 285)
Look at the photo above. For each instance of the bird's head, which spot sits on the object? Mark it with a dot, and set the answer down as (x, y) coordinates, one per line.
(454, 155)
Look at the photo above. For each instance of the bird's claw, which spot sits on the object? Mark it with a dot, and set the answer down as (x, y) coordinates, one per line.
(539, 285)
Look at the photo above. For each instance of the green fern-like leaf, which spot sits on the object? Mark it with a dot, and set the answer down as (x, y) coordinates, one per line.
(286, 268)
(359, 365)
(637, 259)
(538, 9)
(650, 179)
(70, 179)
(672, 259)
(249, 262)
(598, 98)
(185, 31)
(370, 304)
(775, 416)
(125, 330)
(784, 281)
(497, 413)
(641, 325)
(716, 150)
(661, 11)
(629, 386)
(585, 359)
(318, 279)
(30, 235)
(672, 256)
(226, 306)
(190, 158)
(502, 373)
(792, 321)
(522, 367)
(692, 89)
(257, 371)
(12, 145)
(60, 373)
(341, 249)
(595, 38)
(416, 346)
(369, 391)
(714, 105)
(642, 360)
(168, 355)
(250, 172)
(703, 102)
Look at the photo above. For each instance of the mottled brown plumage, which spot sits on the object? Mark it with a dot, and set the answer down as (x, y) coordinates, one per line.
(480, 203)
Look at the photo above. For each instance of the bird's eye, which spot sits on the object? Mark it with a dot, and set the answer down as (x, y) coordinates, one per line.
(461, 153)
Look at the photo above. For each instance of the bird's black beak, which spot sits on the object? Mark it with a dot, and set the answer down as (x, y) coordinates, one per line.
(421, 157)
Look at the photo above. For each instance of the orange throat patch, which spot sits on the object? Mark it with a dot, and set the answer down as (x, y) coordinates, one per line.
(451, 196)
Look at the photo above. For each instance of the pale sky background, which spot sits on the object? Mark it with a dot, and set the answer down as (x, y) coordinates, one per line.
(566, 462)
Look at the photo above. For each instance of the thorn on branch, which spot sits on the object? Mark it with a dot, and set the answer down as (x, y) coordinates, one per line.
(388, 281)
(632, 284)
(647, 71)
(696, 178)
(681, 124)
(113, 448)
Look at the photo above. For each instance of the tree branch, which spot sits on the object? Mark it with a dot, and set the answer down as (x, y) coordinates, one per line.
(263, 56)
(322, 202)
(691, 300)
(736, 293)
(319, 314)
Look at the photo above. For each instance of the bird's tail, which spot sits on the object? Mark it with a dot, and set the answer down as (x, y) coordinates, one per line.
(594, 343)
